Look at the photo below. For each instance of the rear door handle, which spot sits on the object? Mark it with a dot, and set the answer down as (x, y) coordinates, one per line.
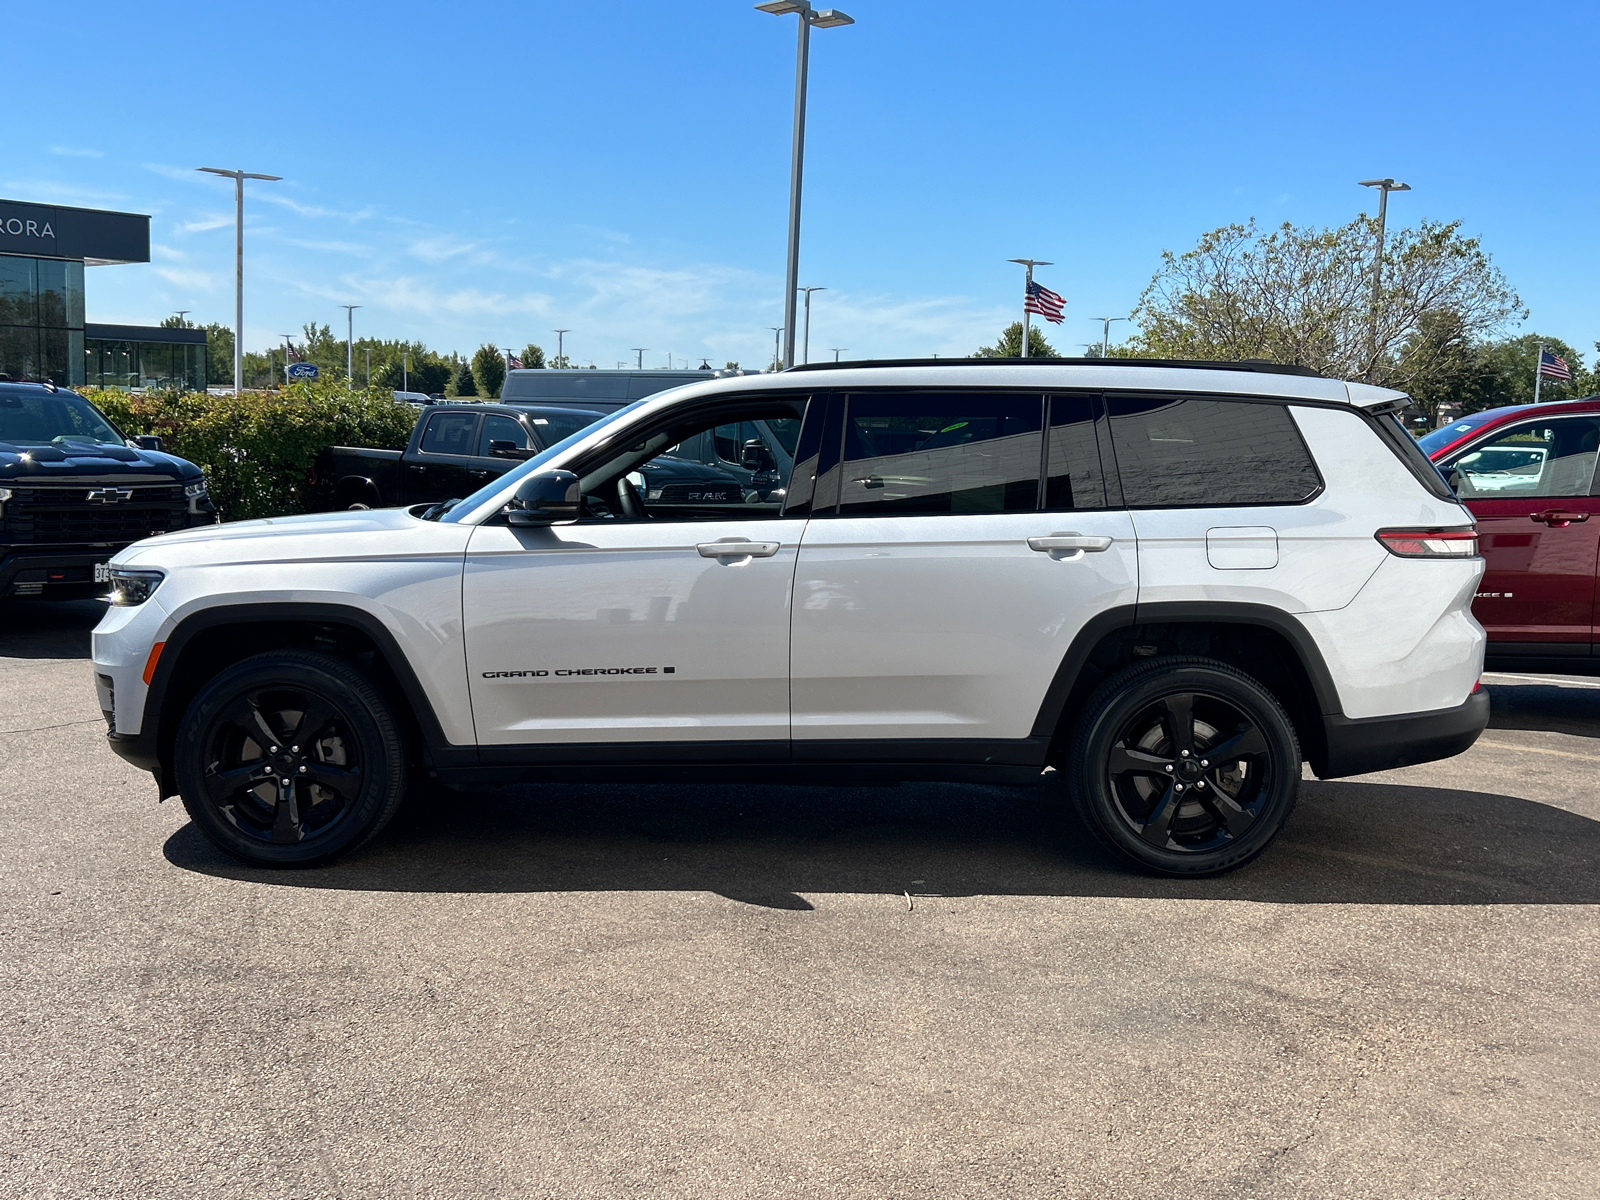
(1558, 518)
(1065, 547)
(737, 548)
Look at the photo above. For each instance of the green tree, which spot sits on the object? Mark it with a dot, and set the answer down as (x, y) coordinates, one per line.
(532, 357)
(219, 355)
(1010, 344)
(1303, 296)
(489, 370)
(463, 383)
(1507, 368)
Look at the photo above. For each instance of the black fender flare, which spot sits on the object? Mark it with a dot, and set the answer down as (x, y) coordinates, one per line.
(1214, 612)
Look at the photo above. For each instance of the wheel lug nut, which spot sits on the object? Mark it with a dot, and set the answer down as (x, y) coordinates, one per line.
(294, 749)
(1201, 784)
(1169, 767)
(1205, 762)
(1184, 753)
(269, 770)
(302, 770)
(1177, 787)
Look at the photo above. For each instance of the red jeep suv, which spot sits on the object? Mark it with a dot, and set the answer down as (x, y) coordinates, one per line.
(1527, 474)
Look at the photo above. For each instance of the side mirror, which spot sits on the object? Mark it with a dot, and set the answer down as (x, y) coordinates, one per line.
(756, 456)
(145, 441)
(499, 449)
(546, 498)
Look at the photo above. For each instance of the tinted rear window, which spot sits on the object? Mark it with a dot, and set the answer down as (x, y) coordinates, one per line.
(1199, 452)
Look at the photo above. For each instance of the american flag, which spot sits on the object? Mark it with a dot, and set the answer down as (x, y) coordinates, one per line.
(1044, 302)
(513, 363)
(1553, 366)
(294, 355)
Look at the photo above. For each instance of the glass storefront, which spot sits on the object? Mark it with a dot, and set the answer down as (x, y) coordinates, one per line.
(128, 363)
(41, 319)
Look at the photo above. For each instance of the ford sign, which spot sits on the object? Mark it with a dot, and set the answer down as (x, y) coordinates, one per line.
(303, 371)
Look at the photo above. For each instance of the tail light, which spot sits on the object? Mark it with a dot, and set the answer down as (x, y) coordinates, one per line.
(1430, 543)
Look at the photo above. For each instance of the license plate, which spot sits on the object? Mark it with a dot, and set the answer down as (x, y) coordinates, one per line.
(102, 572)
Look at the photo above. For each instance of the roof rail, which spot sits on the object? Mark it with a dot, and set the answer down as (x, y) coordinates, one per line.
(1259, 365)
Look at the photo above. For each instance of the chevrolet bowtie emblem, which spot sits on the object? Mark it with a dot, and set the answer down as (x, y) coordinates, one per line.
(109, 495)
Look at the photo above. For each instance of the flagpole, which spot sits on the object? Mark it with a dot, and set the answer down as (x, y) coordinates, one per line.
(1027, 288)
(1538, 373)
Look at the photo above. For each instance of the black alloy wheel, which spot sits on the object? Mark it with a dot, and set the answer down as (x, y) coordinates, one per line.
(1186, 766)
(289, 759)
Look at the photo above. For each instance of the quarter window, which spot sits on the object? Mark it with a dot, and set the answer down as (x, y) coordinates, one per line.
(929, 453)
(1198, 452)
(1545, 458)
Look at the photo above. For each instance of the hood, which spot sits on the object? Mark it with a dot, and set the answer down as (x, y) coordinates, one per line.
(317, 537)
(91, 460)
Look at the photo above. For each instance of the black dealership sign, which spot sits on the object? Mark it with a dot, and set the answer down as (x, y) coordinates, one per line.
(50, 231)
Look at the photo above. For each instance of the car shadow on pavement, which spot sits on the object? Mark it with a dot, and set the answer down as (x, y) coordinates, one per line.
(48, 628)
(1572, 707)
(1347, 843)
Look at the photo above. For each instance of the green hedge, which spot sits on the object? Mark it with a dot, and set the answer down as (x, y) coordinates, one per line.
(257, 448)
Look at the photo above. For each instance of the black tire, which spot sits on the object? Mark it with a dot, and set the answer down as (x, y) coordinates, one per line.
(1176, 813)
(326, 728)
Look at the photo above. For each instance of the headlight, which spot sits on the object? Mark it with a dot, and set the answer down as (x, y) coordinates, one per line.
(193, 491)
(129, 588)
(5, 494)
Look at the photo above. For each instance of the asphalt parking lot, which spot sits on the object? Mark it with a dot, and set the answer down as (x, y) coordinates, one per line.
(924, 990)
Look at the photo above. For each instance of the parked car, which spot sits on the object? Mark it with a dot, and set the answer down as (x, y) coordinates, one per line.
(419, 399)
(1166, 584)
(74, 490)
(1527, 474)
(454, 450)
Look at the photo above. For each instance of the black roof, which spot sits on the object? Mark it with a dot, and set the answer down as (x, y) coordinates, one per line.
(1258, 365)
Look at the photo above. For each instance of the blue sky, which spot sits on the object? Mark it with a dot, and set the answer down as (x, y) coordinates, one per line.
(486, 171)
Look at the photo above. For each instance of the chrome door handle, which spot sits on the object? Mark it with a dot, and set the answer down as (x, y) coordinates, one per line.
(1069, 546)
(737, 548)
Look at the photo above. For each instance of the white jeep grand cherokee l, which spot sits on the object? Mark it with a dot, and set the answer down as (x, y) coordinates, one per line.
(1169, 582)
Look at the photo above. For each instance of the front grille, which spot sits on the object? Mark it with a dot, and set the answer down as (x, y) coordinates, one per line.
(66, 514)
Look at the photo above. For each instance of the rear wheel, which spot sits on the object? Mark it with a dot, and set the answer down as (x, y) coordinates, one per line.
(1186, 766)
(289, 759)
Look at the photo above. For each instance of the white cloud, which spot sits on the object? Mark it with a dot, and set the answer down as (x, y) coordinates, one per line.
(184, 277)
(265, 192)
(203, 224)
(53, 191)
(77, 152)
(441, 248)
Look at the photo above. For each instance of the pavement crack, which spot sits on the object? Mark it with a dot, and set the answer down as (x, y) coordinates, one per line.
(64, 725)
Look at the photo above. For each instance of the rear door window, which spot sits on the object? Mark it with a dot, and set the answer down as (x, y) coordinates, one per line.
(450, 433)
(1203, 452)
(1539, 459)
(936, 453)
(502, 429)
(1074, 478)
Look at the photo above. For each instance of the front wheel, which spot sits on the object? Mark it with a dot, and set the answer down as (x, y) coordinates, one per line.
(289, 759)
(1186, 766)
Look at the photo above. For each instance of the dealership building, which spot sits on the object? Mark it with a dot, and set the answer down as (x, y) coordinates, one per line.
(44, 333)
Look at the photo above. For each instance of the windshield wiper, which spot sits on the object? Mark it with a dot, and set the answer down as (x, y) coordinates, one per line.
(434, 512)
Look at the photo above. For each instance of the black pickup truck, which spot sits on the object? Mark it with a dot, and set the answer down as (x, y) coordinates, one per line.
(455, 449)
(74, 491)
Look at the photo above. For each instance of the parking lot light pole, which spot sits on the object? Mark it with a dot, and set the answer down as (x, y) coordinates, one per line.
(1027, 317)
(350, 343)
(561, 354)
(238, 178)
(805, 345)
(1105, 334)
(828, 18)
(639, 350)
(838, 350)
(1384, 186)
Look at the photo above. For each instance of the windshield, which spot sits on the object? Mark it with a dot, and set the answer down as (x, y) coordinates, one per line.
(27, 420)
(1433, 442)
(537, 463)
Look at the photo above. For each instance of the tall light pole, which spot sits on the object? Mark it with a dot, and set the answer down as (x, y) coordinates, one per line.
(561, 354)
(777, 343)
(405, 371)
(1027, 321)
(838, 350)
(828, 18)
(350, 343)
(1384, 186)
(639, 350)
(1105, 335)
(181, 314)
(805, 346)
(238, 178)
